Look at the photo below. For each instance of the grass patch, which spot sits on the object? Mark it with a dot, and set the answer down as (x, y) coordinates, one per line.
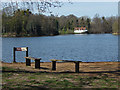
(105, 83)
(6, 75)
(64, 84)
(48, 80)
(31, 77)
(66, 76)
(8, 69)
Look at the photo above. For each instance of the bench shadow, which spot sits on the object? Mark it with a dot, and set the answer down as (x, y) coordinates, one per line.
(44, 68)
(96, 72)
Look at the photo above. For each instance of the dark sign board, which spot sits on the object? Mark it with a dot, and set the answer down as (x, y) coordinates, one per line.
(20, 49)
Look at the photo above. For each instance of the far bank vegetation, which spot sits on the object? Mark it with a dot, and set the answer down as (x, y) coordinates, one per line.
(26, 23)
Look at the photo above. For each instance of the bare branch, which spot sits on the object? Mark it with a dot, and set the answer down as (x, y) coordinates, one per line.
(39, 6)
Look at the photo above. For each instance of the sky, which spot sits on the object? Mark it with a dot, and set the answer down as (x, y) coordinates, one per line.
(89, 9)
(92, 0)
(80, 8)
(66, 0)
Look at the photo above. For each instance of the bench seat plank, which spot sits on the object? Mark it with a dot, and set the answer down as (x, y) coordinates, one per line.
(33, 58)
(65, 60)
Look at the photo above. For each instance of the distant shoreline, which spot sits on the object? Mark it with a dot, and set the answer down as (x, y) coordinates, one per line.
(5, 36)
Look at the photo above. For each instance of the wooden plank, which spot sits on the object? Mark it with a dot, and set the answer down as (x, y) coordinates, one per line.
(70, 61)
(55, 60)
(33, 58)
(65, 60)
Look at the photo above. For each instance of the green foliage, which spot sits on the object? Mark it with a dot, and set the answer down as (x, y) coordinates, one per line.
(25, 23)
(69, 31)
(115, 27)
(62, 31)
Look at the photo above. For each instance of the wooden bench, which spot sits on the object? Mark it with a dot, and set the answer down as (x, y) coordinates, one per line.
(76, 64)
(37, 61)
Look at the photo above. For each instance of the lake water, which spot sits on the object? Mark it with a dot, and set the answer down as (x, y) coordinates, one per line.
(88, 48)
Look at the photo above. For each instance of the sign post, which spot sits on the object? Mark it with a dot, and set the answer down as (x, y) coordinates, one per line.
(27, 52)
(14, 54)
(19, 49)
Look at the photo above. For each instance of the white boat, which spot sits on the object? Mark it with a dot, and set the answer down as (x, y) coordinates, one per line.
(79, 30)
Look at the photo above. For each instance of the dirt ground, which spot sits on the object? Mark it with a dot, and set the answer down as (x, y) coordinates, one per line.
(91, 75)
(84, 67)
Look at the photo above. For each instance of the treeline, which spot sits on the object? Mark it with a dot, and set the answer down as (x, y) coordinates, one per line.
(25, 23)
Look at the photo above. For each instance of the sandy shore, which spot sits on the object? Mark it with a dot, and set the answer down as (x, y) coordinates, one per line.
(68, 66)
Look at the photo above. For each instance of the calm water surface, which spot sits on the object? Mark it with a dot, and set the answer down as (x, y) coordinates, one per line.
(88, 48)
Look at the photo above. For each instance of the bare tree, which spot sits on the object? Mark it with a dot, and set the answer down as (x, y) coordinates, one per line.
(38, 6)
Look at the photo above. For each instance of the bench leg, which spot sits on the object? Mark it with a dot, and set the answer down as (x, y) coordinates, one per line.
(77, 67)
(53, 65)
(37, 63)
(28, 62)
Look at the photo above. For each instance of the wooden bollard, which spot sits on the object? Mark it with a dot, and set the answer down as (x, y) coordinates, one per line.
(37, 63)
(53, 65)
(28, 62)
(77, 67)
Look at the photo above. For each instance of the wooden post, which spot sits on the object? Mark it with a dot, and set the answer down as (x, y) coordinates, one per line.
(37, 63)
(28, 62)
(27, 52)
(53, 65)
(14, 55)
(77, 67)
